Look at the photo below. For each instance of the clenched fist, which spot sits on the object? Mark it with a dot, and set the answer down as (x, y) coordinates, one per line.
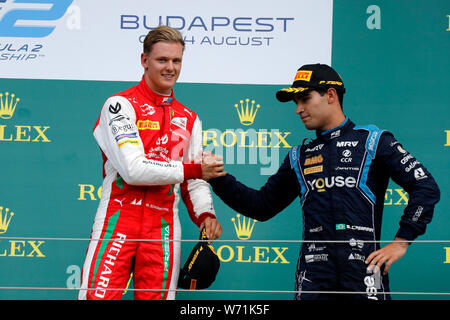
(212, 166)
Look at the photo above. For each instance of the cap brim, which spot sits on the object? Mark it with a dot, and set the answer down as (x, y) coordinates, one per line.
(200, 269)
(288, 94)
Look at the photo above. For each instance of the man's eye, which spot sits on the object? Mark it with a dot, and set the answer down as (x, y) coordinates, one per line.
(305, 99)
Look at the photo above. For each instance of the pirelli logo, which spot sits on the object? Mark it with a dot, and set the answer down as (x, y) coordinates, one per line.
(311, 170)
(148, 125)
(303, 75)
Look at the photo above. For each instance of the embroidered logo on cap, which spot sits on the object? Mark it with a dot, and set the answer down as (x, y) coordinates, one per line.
(303, 75)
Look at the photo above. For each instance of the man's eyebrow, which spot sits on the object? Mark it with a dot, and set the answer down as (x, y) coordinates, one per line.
(168, 58)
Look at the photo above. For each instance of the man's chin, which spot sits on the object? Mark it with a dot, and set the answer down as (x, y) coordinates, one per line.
(167, 84)
(166, 87)
(309, 126)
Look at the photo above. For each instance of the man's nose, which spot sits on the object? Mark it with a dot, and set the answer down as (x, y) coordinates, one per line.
(169, 65)
(300, 107)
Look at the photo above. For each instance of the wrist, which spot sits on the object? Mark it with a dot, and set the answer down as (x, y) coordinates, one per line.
(192, 171)
(203, 217)
(402, 242)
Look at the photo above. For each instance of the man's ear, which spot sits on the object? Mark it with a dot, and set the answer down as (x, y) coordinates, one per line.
(332, 95)
(144, 58)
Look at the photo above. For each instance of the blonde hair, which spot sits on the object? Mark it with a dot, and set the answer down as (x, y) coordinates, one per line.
(164, 34)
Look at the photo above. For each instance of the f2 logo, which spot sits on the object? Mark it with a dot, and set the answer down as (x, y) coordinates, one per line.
(8, 27)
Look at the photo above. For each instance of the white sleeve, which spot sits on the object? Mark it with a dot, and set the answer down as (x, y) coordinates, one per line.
(196, 193)
(118, 137)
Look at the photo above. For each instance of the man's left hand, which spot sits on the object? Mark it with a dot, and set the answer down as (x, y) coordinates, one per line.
(388, 254)
(212, 227)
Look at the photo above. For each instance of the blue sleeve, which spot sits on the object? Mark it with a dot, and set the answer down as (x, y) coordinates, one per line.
(278, 192)
(414, 178)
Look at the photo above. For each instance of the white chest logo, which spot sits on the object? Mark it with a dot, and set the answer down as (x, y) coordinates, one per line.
(180, 122)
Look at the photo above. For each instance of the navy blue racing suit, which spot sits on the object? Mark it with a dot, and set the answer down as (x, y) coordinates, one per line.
(341, 179)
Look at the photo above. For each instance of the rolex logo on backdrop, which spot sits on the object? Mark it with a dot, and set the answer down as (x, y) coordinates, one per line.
(5, 219)
(18, 132)
(17, 248)
(8, 104)
(247, 113)
(245, 144)
(243, 252)
(243, 229)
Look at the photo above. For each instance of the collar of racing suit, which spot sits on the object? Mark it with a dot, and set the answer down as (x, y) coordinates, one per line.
(158, 99)
(335, 132)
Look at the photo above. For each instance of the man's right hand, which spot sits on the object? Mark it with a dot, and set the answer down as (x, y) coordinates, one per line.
(212, 166)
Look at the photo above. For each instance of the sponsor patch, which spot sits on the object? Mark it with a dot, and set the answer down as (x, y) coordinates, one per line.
(115, 109)
(313, 160)
(133, 142)
(313, 170)
(132, 135)
(331, 82)
(303, 75)
(148, 125)
(316, 257)
(147, 110)
(419, 174)
(166, 101)
(180, 122)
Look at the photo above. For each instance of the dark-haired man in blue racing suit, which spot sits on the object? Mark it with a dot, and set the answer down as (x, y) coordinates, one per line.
(341, 178)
